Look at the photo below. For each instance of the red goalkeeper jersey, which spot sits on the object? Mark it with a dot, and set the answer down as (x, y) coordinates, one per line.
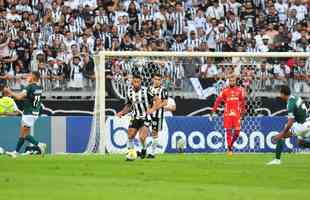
(234, 101)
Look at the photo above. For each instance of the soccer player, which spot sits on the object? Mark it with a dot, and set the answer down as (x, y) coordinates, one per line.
(297, 124)
(158, 115)
(32, 107)
(234, 108)
(139, 101)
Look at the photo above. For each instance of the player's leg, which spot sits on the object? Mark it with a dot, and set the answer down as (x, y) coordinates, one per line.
(132, 131)
(28, 121)
(236, 124)
(280, 145)
(228, 128)
(143, 132)
(304, 143)
(156, 127)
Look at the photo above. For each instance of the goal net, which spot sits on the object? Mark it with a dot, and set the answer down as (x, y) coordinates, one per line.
(199, 76)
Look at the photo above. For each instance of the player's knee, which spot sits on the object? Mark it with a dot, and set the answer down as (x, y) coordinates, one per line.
(131, 133)
(154, 133)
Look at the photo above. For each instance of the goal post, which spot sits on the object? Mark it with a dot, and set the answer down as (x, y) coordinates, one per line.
(133, 60)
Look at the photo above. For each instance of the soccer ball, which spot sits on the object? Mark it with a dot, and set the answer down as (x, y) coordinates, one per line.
(1, 151)
(131, 155)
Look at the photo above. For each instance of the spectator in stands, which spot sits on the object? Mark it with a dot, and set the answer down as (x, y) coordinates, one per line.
(63, 30)
(88, 70)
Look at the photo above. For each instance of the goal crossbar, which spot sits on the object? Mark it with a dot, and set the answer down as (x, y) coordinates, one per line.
(204, 54)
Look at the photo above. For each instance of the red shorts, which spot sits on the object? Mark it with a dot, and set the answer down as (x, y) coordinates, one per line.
(232, 122)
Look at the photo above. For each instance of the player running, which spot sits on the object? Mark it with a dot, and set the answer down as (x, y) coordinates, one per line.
(158, 116)
(139, 101)
(234, 108)
(32, 107)
(297, 124)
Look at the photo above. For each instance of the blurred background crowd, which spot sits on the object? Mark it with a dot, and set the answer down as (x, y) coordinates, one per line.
(60, 38)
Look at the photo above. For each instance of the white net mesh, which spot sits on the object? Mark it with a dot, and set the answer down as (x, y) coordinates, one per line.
(203, 74)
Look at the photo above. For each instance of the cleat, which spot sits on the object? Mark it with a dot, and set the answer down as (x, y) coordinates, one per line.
(229, 153)
(12, 154)
(143, 153)
(150, 156)
(274, 162)
(42, 147)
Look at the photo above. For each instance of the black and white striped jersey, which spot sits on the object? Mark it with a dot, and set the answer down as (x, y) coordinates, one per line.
(178, 22)
(140, 101)
(162, 93)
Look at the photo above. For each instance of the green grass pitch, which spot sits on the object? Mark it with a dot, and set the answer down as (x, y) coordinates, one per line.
(169, 176)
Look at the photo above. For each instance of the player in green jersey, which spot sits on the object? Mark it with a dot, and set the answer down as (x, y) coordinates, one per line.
(297, 124)
(31, 96)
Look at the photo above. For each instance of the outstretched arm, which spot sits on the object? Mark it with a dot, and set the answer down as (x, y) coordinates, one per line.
(17, 96)
(217, 102)
(124, 111)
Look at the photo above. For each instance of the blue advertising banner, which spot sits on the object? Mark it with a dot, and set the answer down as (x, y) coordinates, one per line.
(196, 134)
(199, 134)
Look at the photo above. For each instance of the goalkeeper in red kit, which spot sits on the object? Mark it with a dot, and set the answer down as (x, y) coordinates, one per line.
(234, 108)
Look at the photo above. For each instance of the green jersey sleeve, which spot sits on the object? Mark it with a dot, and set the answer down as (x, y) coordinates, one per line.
(291, 104)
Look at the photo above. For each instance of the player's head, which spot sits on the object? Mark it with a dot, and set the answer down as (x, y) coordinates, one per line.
(232, 79)
(156, 80)
(136, 82)
(34, 77)
(285, 92)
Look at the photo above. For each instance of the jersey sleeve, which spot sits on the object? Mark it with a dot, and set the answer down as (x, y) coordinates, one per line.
(26, 90)
(150, 95)
(218, 100)
(290, 108)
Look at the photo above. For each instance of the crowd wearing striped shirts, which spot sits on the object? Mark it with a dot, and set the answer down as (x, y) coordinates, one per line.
(63, 32)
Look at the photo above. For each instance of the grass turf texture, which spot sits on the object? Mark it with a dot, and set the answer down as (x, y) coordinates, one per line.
(170, 176)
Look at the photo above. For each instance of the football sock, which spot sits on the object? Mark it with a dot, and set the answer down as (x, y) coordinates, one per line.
(154, 145)
(19, 144)
(235, 137)
(31, 139)
(228, 138)
(279, 148)
(143, 144)
(130, 144)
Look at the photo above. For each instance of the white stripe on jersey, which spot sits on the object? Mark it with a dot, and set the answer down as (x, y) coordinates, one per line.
(140, 102)
(162, 93)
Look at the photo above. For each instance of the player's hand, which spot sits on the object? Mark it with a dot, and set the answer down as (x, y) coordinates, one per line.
(150, 111)
(119, 114)
(276, 138)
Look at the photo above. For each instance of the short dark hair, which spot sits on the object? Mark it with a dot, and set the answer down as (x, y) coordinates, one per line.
(36, 74)
(136, 76)
(156, 74)
(285, 90)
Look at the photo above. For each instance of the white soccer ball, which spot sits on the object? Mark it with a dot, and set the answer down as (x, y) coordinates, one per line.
(132, 154)
(1, 151)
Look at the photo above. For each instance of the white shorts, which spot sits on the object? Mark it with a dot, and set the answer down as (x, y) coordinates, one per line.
(29, 120)
(302, 131)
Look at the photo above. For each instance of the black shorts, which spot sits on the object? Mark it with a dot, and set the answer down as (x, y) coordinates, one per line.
(139, 123)
(157, 124)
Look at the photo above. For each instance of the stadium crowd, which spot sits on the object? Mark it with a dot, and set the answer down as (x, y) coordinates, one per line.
(60, 37)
